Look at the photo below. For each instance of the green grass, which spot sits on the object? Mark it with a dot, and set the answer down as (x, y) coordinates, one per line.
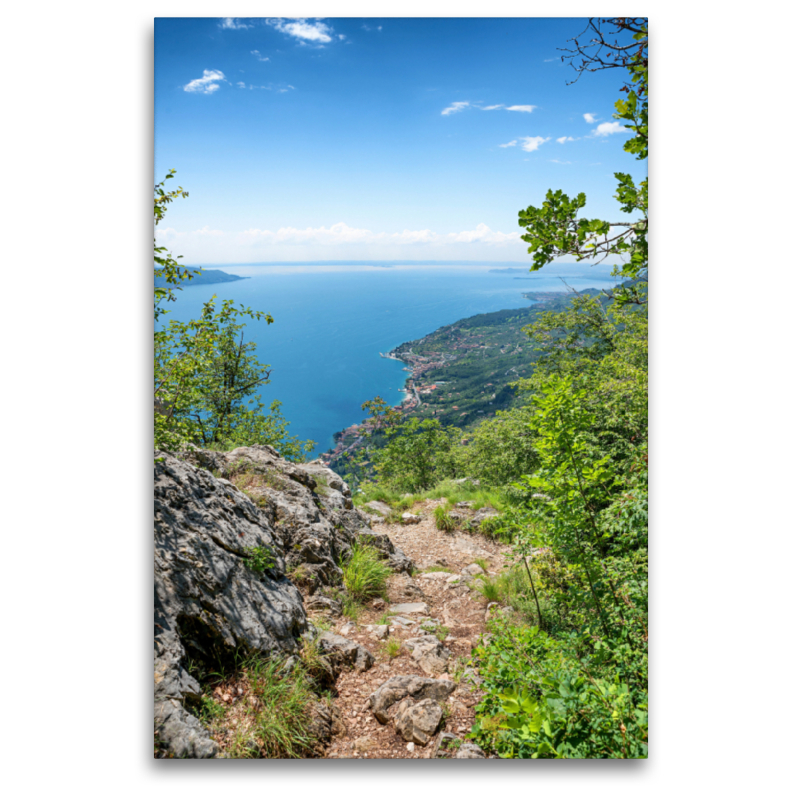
(481, 562)
(489, 588)
(437, 568)
(392, 647)
(442, 518)
(270, 719)
(365, 574)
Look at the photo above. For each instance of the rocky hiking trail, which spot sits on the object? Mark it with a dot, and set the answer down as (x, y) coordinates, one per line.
(247, 551)
(394, 709)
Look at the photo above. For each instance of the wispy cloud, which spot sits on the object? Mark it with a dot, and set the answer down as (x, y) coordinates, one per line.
(208, 84)
(232, 24)
(462, 104)
(458, 106)
(548, 60)
(558, 161)
(241, 85)
(258, 55)
(341, 233)
(512, 143)
(562, 139)
(590, 118)
(303, 29)
(531, 143)
(607, 128)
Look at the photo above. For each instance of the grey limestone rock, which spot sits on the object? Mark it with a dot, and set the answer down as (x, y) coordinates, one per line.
(418, 723)
(410, 608)
(469, 750)
(345, 651)
(381, 508)
(431, 655)
(208, 604)
(483, 513)
(402, 686)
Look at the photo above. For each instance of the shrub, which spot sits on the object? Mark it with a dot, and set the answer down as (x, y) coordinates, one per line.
(365, 574)
(259, 559)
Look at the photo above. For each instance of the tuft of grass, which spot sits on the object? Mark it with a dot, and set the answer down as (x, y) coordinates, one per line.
(437, 568)
(392, 647)
(481, 562)
(443, 520)
(385, 619)
(270, 719)
(489, 588)
(352, 609)
(441, 632)
(365, 574)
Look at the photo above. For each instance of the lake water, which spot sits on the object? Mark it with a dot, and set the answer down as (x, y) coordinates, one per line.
(330, 327)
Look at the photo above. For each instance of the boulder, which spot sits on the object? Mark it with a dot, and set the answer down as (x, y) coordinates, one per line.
(419, 722)
(379, 507)
(469, 750)
(472, 569)
(345, 652)
(410, 519)
(410, 608)
(377, 631)
(431, 655)
(483, 513)
(402, 686)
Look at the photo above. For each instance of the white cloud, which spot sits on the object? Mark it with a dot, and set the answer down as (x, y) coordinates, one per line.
(562, 139)
(337, 234)
(207, 84)
(241, 85)
(231, 24)
(558, 161)
(590, 118)
(491, 108)
(527, 109)
(313, 31)
(607, 128)
(531, 143)
(512, 143)
(458, 106)
(548, 60)
(258, 55)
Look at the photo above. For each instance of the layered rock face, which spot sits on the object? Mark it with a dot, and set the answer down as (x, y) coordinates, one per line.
(212, 599)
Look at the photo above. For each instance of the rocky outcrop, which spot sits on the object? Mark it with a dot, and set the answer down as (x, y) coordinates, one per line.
(212, 513)
(209, 602)
(311, 505)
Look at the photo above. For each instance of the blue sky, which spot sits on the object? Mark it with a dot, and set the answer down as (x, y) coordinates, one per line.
(364, 139)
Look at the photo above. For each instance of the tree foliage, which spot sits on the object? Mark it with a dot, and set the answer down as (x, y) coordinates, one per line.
(556, 228)
(207, 376)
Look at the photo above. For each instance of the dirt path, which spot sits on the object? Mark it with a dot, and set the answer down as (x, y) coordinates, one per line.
(450, 602)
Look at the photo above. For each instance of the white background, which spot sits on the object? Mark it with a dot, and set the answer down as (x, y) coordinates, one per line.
(77, 558)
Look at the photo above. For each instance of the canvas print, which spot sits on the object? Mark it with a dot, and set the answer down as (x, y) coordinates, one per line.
(401, 388)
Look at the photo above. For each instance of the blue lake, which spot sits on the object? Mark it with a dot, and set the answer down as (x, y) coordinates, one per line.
(330, 327)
